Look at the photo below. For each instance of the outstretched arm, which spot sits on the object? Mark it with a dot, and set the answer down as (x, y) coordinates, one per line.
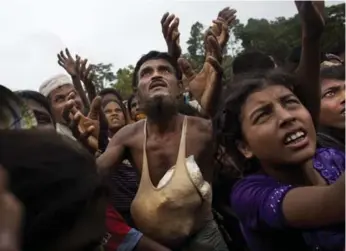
(308, 71)
(115, 151)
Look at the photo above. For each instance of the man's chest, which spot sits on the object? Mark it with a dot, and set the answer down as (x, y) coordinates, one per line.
(162, 154)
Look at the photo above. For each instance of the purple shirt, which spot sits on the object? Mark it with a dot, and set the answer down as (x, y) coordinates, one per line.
(257, 198)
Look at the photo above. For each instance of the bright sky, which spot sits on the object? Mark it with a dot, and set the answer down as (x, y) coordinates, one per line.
(108, 31)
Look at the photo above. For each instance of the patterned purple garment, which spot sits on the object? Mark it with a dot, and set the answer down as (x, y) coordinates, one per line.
(257, 199)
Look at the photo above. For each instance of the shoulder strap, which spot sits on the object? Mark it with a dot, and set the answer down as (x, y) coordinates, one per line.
(182, 146)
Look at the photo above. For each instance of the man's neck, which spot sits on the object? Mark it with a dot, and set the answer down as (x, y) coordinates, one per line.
(167, 125)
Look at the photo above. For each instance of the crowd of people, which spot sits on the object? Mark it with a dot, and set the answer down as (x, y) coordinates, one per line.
(187, 163)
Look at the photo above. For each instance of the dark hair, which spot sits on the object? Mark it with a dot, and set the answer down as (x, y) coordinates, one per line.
(36, 96)
(54, 177)
(227, 123)
(251, 61)
(112, 91)
(336, 72)
(154, 55)
(129, 103)
(39, 98)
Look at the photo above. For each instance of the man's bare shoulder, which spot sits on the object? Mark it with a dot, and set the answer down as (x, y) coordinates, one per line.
(127, 133)
(201, 124)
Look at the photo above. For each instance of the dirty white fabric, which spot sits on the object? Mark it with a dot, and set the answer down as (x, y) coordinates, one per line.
(64, 130)
(195, 174)
(54, 82)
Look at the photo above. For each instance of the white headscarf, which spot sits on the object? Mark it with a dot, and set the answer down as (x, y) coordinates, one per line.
(54, 82)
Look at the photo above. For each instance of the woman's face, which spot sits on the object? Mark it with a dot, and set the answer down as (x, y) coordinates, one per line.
(333, 103)
(115, 116)
(43, 117)
(277, 128)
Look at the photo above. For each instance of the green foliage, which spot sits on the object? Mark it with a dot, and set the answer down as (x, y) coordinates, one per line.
(121, 80)
(278, 37)
(196, 46)
(123, 83)
(104, 76)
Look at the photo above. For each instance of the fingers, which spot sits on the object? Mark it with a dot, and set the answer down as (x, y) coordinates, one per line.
(166, 24)
(228, 15)
(164, 17)
(68, 54)
(88, 70)
(62, 55)
(215, 64)
(83, 66)
(222, 12)
(213, 47)
(186, 68)
(95, 108)
(86, 134)
(173, 27)
(68, 111)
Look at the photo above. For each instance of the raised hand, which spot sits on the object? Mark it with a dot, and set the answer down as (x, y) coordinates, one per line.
(312, 17)
(205, 85)
(87, 76)
(67, 62)
(85, 128)
(71, 66)
(220, 27)
(169, 24)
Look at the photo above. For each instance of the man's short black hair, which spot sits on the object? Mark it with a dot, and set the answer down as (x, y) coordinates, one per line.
(249, 61)
(154, 55)
(333, 72)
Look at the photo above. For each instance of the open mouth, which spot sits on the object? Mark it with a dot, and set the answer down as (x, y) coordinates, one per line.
(293, 138)
(157, 84)
(342, 112)
(114, 120)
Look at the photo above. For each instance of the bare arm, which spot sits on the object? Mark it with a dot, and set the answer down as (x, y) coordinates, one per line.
(115, 151)
(308, 71)
(315, 206)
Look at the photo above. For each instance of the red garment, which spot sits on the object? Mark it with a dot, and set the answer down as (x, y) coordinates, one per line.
(117, 229)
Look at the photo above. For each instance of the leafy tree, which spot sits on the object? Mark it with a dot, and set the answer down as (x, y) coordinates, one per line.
(196, 46)
(278, 37)
(104, 76)
(123, 82)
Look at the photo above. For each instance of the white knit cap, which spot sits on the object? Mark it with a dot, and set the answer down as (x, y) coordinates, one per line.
(54, 82)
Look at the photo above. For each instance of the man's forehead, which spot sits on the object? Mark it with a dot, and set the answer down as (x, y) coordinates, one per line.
(155, 63)
(64, 89)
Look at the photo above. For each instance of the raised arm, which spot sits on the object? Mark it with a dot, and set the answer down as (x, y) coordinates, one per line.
(315, 206)
(261, 205)
(115, 151)
(170, 32)
(308, 90)
(70, 65)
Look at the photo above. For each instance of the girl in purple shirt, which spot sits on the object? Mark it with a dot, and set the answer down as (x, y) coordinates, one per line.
(291, 196)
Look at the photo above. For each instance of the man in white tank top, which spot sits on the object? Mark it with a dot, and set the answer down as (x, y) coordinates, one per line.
(177, 215)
